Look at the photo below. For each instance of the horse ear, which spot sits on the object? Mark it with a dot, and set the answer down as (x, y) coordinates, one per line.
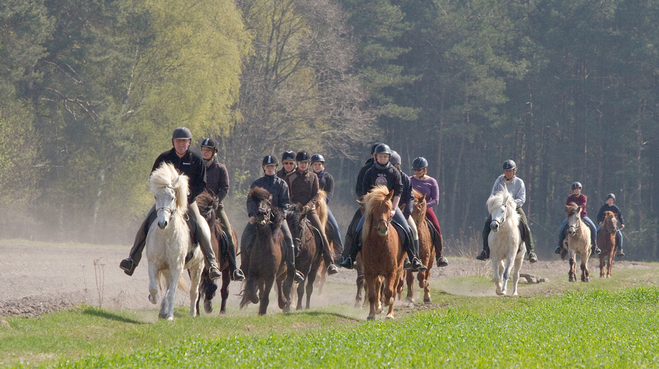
(390, 195)
(175, 182)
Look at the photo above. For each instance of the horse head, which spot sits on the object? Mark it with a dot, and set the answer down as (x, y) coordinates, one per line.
(500, 206)
(573, 212)
(419, 207)
(378, 210)
(610, 224)
(169, 189)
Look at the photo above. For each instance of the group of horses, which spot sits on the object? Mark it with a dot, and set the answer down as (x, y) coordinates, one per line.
(170, 249)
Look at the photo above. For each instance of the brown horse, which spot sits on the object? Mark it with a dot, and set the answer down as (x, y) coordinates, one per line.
(606, 240)
(264, 263)
(426, 249)
(208, 206)
(382, 252)
(308, 258)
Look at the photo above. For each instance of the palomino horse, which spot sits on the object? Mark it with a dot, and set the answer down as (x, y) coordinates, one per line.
(321, 209)
(265, 264)
(426, 249)
(308, 258)
(382, 252)
(606, 240)
(506, 246)
(208, 205)
(168, 243)
(578, 242)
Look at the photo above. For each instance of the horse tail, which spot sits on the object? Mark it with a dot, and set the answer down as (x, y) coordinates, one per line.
(248, 295)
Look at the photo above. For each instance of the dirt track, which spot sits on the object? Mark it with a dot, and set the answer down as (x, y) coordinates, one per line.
(36, 279)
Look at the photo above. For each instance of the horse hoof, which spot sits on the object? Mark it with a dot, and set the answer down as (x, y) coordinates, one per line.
(391, 316)
(371, 317)
(427, 300)
(409, 299)
(500, 293)
(152, 299)
(170, 318)
(208, 306)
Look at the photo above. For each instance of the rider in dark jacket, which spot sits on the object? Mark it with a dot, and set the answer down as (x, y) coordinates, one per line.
(280, 199)
(609, 206)
(288, 164)
(326, 183)
(192, 166)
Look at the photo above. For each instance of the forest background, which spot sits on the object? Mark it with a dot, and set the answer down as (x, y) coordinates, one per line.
(90, 91)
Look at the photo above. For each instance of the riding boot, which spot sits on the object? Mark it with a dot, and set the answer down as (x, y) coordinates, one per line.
(416, 264)
(236, 273)
(485, 252)
(528, 239)
(290, 263)
(353, 248)
(207, 250)
(129, 264)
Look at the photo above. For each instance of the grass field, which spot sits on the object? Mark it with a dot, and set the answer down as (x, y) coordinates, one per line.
(606, 323)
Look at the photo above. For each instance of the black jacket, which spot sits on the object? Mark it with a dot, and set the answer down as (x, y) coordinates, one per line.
(277, 188)
(407, 196)
(614, 209)
(326, 183)
(281, 173)
(385, 175)
(217, 180)
(191, 165)
(359, 187)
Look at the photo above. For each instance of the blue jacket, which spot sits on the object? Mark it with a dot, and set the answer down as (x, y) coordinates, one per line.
(277, 188)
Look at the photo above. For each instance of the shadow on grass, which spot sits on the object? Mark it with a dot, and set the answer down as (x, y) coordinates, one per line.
(108, 315)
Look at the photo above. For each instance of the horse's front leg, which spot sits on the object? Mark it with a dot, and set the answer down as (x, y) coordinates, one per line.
(585, 275)
(265, 286)
(602, 265)
(510, 261)
(610, 263)
(373, 283)
(497, 272)
(409, 278)
(519, 260)
(153, 284)
(573, 266)
(310, 285)
(195, 279)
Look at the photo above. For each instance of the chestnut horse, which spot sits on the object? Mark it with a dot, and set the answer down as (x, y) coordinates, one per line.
(208, 206)
(321, 209)
(308, 258)
(382, 252)
(578, 242)
(264, 263)
(426, 249)
(606, 240)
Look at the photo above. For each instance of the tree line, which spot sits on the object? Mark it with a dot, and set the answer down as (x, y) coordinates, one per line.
(91, 90)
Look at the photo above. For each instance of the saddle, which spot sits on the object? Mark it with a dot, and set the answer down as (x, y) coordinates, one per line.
(402, 233)
(434, 233)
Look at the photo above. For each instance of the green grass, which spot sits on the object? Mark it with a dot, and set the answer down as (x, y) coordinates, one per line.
(604, 323)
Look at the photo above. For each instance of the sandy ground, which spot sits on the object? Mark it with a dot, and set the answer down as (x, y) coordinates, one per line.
(35, 279)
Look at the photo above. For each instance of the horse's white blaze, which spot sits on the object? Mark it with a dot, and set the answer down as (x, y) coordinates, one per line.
(167, 247)
(505, 253)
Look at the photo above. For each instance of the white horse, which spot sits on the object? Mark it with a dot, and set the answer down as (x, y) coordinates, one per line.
(169, 242)
(506, 247)
(578, 242)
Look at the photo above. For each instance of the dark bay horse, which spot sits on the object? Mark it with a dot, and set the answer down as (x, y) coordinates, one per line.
(264, 262)
(308, 258)
(606, 240)
(208, 206)
(426, 249)
(382, 252)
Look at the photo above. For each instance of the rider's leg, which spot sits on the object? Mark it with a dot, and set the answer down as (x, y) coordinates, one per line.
(528, 238)
(203, 235)
(485, 252)
(246, 240)
(561, 237)
(237, 274)
(327, 253)
(619, 242)
(399, 218)
(289, 254)
(593, 234)
(351, 236)
(336, 237)
(135, 255)
(439, 248)
(353, 248)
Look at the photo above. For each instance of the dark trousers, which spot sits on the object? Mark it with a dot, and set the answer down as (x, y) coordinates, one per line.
(351, 234)
(231, 249)
(327, 253)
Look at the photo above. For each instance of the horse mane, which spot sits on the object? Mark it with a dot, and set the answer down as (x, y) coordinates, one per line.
(419, 198)
(571, 209)
(503, 198)
(608, 215)
(259, 194)
(167, 176)
(208, 205)
(377, 196)
(321, 206)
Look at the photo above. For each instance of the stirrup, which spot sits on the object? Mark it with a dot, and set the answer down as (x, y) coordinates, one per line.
(347, 263)
(238, 275)
(483, 255)
(298, 277)
(533, 258)
(442, 261)
(332, 269)
(214, 273)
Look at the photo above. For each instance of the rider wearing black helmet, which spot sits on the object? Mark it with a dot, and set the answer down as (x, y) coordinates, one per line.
(303, 187)
(609, 206)
(287, 164)
(383, 173)
(326, 183)
(581, 200)
(515, 186)
(217, 183)
(190, 164)
(279, 199)
(406, 203)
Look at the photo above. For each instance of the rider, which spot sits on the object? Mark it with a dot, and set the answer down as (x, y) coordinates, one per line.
(288, 164)
(515, 186)
(427, 185)
(280, 199)
(609, 206)
(188, 163)
(217, 183)
(350, 234)
(326, 183)
(303, 187)
(406, 203)
(580, 199)
(383, 173)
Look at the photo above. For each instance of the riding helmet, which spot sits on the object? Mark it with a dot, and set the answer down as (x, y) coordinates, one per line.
(509, 164)
(419, 163)
(611, 196)
(383, 149)
(317, 157)
(269, 160)
(288, 155)
(182, 132)
(395, 158)
(576, 185)
(209, 142)
(302, 156)
(374, 146)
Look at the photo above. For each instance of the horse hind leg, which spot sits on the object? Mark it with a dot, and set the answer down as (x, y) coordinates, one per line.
(300, 294)
(409, 278)
(195, 279)
(310, 287)
(373, 283)
(224, 290)
(602, 266)
(390, 284)
(265, 287)
(426, 287)
(573, 266)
